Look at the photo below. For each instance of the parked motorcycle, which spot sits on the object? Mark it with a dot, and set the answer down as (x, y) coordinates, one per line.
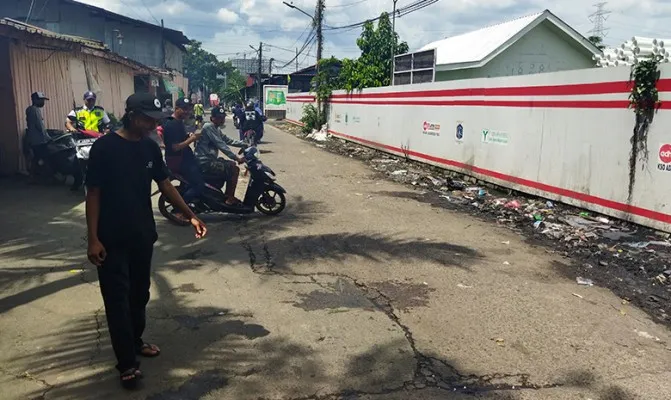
(263, 193)
(84, 139)
(62, 156)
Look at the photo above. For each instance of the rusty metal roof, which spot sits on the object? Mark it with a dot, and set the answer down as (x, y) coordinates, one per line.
(32, 29)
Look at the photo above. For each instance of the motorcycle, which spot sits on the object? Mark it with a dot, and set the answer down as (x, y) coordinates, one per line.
(84, 140)
(263, 193)
(62, 156)
(236, 122)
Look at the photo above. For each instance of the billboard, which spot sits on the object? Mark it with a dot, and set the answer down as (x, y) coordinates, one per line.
(275, 97)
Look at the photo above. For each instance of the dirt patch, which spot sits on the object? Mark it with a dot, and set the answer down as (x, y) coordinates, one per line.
(187, 288)
(338, 295)
(632, 261)
(403, 295)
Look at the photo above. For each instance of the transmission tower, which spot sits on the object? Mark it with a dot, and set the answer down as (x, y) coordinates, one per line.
(598, 18)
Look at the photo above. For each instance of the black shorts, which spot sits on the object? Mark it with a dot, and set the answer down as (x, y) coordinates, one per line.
(219, 167)
(199, 118)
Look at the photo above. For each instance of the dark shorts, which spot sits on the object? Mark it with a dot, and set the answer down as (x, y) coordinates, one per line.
(199, 118)
(219, 167)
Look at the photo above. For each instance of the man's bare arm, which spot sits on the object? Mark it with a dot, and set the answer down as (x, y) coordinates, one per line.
(92, 212)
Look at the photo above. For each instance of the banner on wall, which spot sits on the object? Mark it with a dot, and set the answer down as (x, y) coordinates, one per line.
(275, 97)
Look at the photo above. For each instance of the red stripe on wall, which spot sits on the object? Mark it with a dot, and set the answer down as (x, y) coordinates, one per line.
(663, 85)
(499, 103)
(614, 205)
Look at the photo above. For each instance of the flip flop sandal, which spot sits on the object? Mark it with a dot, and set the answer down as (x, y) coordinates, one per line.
(129, 378)
(154, 351)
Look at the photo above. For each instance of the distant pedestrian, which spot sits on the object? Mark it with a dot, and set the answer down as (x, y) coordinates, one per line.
(121, 226)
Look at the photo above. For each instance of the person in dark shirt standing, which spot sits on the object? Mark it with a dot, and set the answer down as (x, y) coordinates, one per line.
(121, 226)
(253, 121)
(178, 153)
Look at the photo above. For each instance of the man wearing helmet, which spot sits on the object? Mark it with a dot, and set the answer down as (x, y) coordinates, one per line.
(90, 117)
(211, 142)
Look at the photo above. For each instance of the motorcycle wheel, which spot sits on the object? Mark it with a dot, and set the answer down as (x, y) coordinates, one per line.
(271, 204)
(167, 211)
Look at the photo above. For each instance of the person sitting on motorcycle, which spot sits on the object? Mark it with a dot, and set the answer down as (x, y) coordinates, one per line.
(36, 132)
(211, 142)
(39, 139)
(178, 154)
(253, 121)
(199, 112)
(90, 117)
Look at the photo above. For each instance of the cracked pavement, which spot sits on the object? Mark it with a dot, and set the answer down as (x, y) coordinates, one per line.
(349, 294)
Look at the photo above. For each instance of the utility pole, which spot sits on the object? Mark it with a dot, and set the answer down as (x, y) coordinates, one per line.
(319, 20)
(260, 70)
(598, 18)
(296, 59)
(162, 44)
(393, 44)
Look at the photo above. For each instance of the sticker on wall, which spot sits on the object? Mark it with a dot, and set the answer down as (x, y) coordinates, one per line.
(338, 118)
(497, 137)
(459, 135)
(664, 157)
(431, 129)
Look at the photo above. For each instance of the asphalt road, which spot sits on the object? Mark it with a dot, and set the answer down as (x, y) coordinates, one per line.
(356, 291)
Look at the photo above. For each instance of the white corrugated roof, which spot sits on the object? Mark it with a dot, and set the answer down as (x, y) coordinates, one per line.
(475, 46)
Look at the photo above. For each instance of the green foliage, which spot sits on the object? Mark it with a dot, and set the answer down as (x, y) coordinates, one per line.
(373, 67)
(202, 68)
(327, 79)
(312, 118)
(644, 96)
(233, 92)
(597, 41)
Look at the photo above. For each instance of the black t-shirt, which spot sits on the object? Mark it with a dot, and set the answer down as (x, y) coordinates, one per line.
(174, 132)
(123, 171)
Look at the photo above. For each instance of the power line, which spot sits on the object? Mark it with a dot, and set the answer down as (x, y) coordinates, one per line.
(410, 8)
(149, 11)
(308, 42)
(347, 5)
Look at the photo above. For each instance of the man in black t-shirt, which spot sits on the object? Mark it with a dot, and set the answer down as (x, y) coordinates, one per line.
(121, 226)
(178, 153)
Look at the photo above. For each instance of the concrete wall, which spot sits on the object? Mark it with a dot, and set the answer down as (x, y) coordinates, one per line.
(563, 136)
(543, 49)
(140, 42)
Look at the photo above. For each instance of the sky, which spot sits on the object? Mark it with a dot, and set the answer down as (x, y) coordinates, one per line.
(228, 27)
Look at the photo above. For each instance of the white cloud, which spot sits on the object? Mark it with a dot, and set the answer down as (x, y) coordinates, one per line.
(272, 22)
(226, 15)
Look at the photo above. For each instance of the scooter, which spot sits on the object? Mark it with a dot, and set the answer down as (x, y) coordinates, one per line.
(62, 156)
(263, 193)
(84, 140)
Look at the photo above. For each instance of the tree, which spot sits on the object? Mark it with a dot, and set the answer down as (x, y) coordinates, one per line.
(373, 67)
(597, 41)
(202, 68)
(232, 92)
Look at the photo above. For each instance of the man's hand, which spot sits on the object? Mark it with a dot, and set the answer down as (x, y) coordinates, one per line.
(196, 135)
(96, 252)
(199, 227)
(241, 159)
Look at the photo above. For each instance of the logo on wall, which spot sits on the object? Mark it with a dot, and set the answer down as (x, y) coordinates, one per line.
(664, 157)
(460, 132)
(497, 137)
(430, 129)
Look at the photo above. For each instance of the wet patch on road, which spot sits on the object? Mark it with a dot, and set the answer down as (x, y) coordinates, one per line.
(196, 387)
(403, 295)
(187, 288)
(339, 294)
(196, 254)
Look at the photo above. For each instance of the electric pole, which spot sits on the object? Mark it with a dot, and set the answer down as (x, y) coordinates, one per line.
(260, 69)
(320, 37)
(598, 18)
(296, 59)
(393, 42)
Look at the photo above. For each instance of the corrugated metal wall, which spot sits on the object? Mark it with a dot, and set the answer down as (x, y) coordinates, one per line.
(56, 73)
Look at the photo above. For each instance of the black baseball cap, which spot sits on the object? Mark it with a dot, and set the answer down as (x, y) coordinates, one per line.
(218, 112)
(146, 104)
(183, 103)
(39, 96)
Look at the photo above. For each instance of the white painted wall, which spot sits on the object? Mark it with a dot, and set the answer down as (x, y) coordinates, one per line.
(563, 143)
(541, 50)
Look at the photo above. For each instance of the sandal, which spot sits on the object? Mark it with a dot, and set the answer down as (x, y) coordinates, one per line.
(129, 378)
(149, 350)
